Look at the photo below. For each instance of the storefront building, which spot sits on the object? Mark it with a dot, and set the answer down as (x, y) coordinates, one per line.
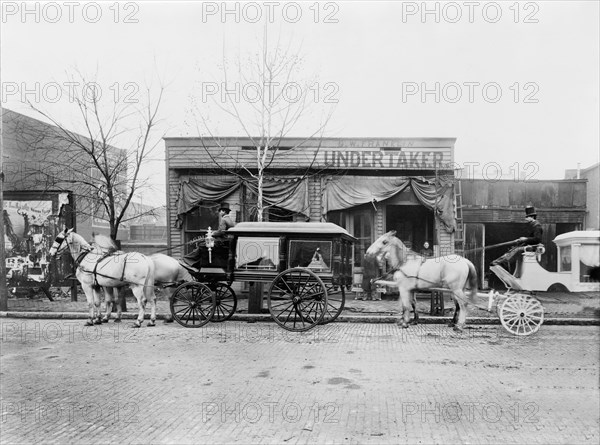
(368, 186)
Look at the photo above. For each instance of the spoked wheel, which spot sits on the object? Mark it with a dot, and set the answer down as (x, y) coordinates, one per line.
(297, 299)
(521, 314)
(192, 304)
(226, 302)
(336, 300)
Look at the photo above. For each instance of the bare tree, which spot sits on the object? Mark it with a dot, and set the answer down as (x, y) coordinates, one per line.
(102, 163)
(279, 102)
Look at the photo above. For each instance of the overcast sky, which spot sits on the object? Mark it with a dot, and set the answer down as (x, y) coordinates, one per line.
(515, 83)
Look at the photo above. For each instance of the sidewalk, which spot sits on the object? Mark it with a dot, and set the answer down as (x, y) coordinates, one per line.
(559, 308)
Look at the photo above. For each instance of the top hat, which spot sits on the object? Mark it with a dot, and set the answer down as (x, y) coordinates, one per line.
(224, 207)
(530, 211)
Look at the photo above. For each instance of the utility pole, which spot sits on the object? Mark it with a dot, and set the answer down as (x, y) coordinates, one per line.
(3, 288)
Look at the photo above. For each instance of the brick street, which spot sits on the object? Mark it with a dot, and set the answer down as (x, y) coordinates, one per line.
(342, 383)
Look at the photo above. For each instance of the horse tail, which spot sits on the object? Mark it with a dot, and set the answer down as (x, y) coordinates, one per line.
(473, 284)
(149, 281)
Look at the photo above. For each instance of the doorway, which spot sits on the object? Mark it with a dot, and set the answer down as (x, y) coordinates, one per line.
(413, 224)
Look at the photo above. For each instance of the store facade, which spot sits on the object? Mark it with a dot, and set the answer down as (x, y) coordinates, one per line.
(368, 186)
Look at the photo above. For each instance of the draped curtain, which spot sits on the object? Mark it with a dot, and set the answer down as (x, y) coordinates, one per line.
(351, 191)
(290, 193)
(589, 255)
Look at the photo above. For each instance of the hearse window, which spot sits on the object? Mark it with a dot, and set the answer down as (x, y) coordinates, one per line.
(315, 255)
(565, 258)
(257, 253)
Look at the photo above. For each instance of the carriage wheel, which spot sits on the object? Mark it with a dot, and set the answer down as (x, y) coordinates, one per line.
(226, 302)
(336, 300)
(192, 304)
(521, 314)
(297, 299)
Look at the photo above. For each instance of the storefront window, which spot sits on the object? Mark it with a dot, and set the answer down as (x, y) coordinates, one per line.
(277, 214)
(363, 231)
(359, 222)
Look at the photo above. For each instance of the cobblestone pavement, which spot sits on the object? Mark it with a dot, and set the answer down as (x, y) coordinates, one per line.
(345, 383)
(557, 305)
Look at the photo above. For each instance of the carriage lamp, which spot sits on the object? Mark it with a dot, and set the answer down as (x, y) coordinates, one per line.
(210, 243)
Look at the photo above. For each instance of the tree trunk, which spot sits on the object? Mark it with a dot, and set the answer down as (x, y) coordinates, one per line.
(259, 198)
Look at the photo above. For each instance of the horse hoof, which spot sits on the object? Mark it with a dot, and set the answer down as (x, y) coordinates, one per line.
(137, 324)
(457, 328)
(404, 325)
(117, 320)
(105, 320)
(98, 321)
(451, 325)
(414, 322)
(89, 323)
(151, 323)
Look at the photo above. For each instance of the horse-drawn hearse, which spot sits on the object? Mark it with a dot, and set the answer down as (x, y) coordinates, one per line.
(308, 267)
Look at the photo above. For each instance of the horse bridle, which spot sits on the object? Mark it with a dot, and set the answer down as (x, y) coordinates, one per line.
(63, 237)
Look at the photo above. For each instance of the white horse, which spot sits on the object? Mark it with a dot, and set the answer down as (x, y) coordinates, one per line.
(412, 271)
(168, 273)
(96, 268)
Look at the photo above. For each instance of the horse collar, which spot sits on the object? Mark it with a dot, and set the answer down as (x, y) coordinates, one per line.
(81, 256)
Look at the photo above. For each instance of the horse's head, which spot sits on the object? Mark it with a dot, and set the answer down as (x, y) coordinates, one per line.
(387, 246)
(60, 245)
(382, 245)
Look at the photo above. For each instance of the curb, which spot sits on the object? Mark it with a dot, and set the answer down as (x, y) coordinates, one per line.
(253, 318)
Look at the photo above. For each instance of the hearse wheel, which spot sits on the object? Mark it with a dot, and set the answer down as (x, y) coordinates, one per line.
(336, 300)
(192, 304)
(521, 314)
(297, 299)
(226, 301)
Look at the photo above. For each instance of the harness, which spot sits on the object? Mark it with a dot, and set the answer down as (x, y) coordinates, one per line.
(94, 272)
(398, 268)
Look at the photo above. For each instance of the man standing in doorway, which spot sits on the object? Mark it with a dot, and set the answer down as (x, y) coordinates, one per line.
(426, 250)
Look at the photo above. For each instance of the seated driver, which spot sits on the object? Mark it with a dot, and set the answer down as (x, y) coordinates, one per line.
(225, 223)
(534, 238)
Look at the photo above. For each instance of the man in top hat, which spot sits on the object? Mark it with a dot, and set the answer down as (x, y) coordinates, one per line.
(534, 238)
(225, 221)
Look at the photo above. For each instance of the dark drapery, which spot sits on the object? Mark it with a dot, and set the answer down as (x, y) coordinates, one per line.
(290, 193)
(351, 191)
